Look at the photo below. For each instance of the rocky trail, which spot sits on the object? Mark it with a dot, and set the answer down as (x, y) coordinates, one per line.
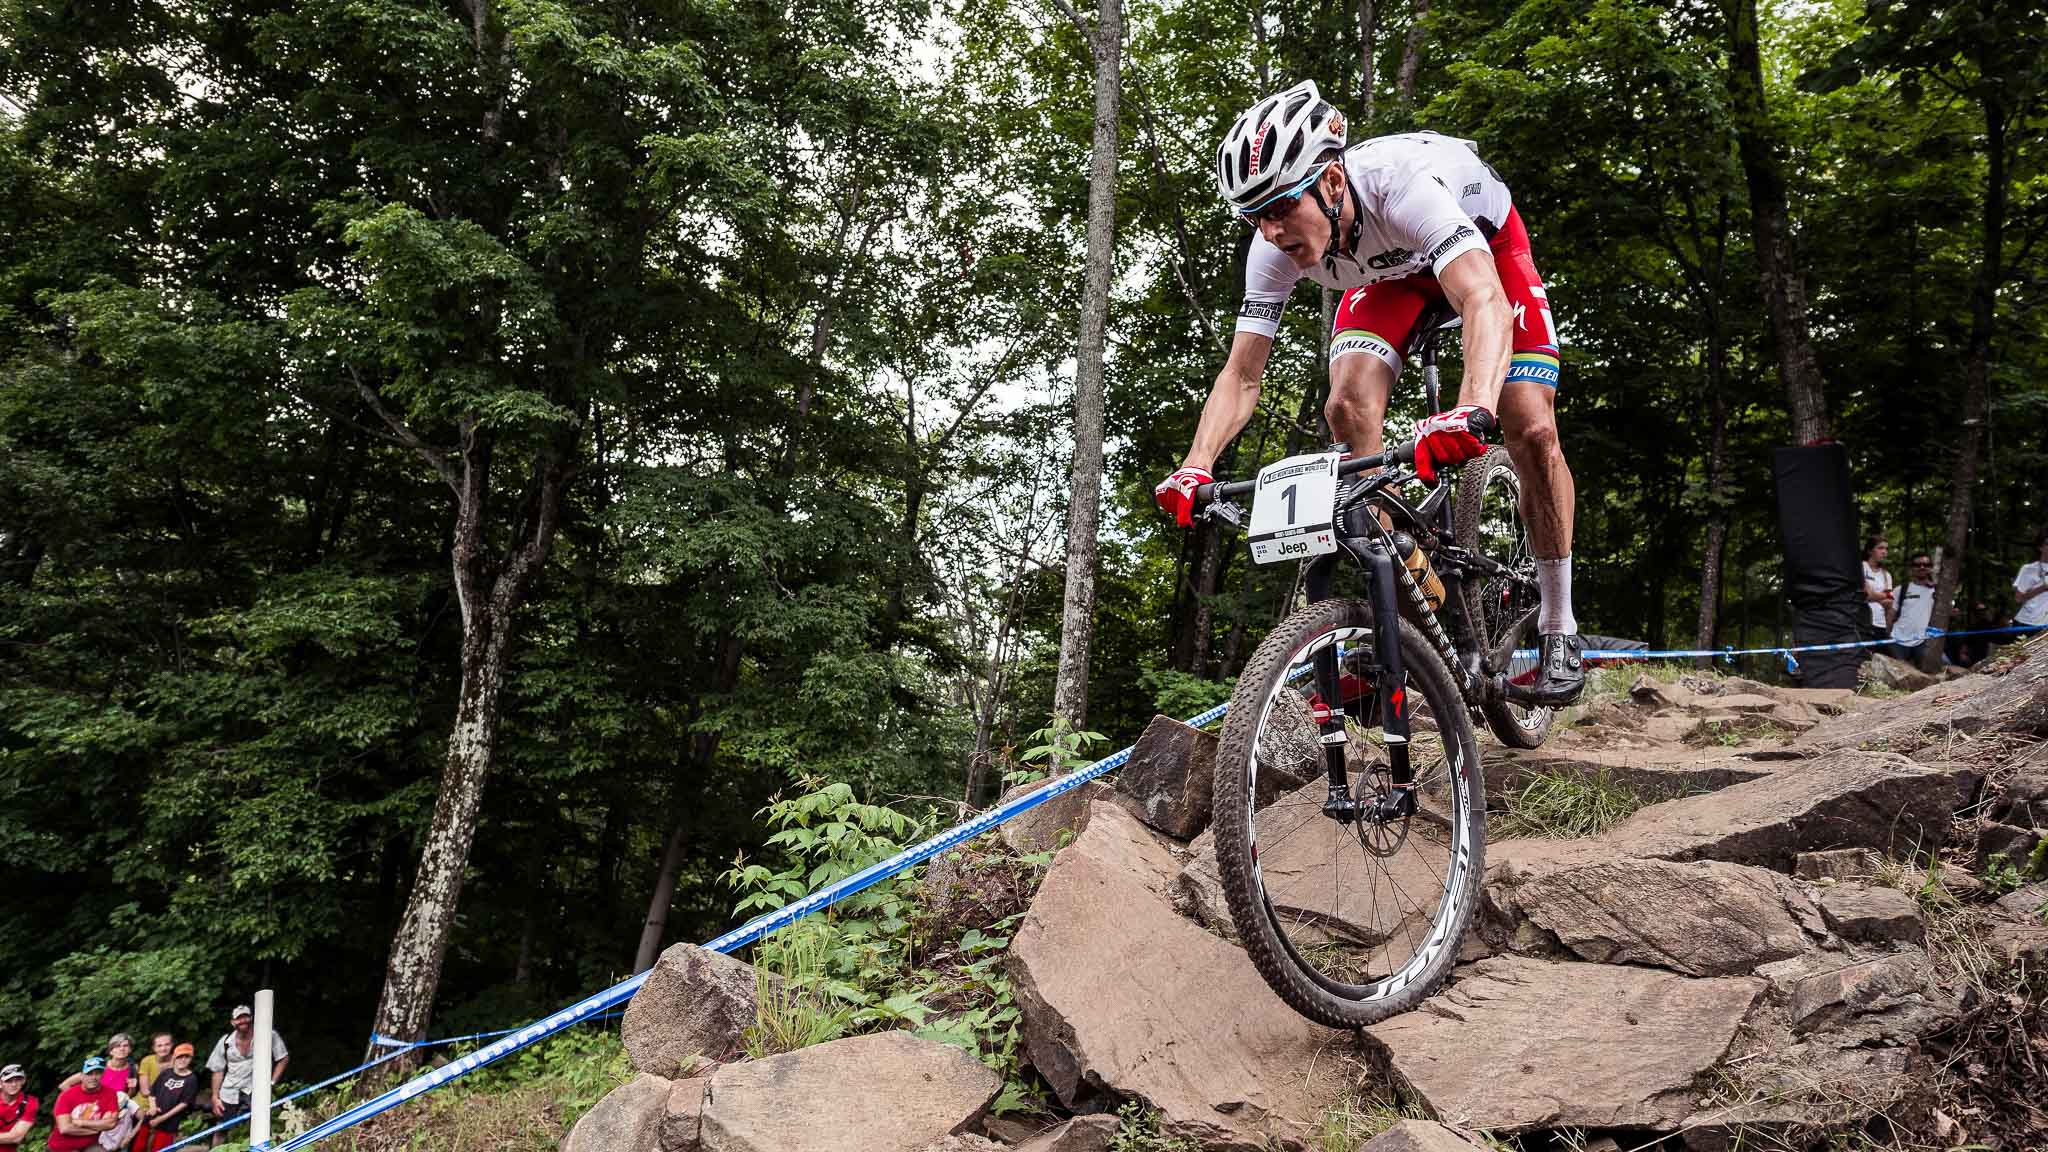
(1823, 919)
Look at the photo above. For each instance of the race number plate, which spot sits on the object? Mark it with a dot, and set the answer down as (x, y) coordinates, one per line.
(1293, 508)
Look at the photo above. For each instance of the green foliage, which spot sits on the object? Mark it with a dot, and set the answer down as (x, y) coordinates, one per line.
(2003, 875)
(1565, 805)
(87, 988)
(1137, 1130)
(1181, 695)
(1060, 749)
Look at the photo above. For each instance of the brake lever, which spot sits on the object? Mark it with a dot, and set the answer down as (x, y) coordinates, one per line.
(1225, 511)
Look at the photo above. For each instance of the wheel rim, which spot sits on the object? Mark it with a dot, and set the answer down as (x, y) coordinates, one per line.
(1363, 910)
(1507, 606)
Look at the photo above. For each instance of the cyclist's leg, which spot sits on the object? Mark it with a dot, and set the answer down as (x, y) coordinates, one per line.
(1373, 324)
(1528, 416)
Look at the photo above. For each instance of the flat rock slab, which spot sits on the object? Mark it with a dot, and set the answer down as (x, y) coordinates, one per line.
(1120, 993)
(1081, 1134)
(1835, 864)
(885, 1092)
(1419, 1136)
(2027, 902)
(1871, 914)
(1655, 774)
(695, 1003)
(1876, 800)
(2014, 699)
(1703, 918)
(1889, 1000)
(1517, 1044)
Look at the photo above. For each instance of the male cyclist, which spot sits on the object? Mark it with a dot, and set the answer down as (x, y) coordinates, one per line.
(1398, 224)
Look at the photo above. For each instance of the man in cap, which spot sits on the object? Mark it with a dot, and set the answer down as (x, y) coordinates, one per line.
(85, 1110)
(233, 1064)
(17, 1107)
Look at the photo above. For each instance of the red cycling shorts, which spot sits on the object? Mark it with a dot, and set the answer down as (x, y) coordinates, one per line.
(1379, 319)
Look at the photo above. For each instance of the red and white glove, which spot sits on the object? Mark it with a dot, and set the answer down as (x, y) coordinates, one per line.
(1449, 438)
(1176, 493)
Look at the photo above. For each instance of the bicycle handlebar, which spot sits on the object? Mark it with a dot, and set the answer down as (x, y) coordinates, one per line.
(1483, 423)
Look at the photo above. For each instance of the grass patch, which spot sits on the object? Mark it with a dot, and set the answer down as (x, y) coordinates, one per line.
(1565, 805)
(526, 1102)
(1358, 1119)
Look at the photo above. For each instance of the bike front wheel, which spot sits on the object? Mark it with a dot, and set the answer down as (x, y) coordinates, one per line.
(1349, 922)
(1487, 521)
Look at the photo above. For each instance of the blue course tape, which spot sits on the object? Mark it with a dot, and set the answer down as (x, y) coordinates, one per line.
(748, 933)
(1791, 662)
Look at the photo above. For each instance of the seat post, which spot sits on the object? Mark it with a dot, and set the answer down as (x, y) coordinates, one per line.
(1430, 387)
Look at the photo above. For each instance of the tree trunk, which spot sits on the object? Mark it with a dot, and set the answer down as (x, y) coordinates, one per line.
(1717, 447)
(1367, 33)
(1084, 509)
(664, 894)
(1205, 600)
(1411, 55)
(1976, 382)
(488, 592)
(1784, 288)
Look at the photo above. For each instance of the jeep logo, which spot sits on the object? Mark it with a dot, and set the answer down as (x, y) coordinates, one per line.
(1391, 258)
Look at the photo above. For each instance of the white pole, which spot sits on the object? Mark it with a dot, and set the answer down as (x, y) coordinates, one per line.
(259, 1102)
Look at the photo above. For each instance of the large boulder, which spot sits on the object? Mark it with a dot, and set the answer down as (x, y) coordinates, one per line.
(1891, 672)
(695, 1003)
(1517, 1044)
(1892, 999)
(1122, 996)
(626, 1120)
(1703, 918)
(1169, 777)
(885, 1092)
(1846, 799)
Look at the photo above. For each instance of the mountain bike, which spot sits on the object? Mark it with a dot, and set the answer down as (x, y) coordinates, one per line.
(1350, 813)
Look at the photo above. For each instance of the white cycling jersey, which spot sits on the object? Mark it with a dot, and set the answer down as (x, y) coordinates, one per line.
(1424, 199)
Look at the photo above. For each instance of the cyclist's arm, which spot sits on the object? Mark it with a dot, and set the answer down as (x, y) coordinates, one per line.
(1473, 288)
(1232, 400)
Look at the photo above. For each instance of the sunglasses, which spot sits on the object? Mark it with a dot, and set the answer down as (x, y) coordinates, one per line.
(1276, 208)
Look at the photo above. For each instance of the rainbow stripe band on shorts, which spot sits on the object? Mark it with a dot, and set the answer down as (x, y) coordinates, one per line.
(1536, 367)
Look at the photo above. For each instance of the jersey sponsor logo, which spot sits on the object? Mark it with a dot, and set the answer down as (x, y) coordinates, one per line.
(1471, 189)
(1521, 317)
(1464, 232)
(1261, 309)
(1259, 148)
(1391, 258)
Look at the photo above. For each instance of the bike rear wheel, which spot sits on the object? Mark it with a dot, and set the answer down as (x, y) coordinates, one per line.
(1349, 923)
(1487, 521)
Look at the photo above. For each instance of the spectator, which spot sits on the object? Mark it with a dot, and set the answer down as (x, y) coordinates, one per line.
(233, 1065)
(17, 1107)
(1912, 609)
(1877, 585)
(85, 1110)
(2031, 586)
(159, 1058)
(176, 1093)
(120, 1075)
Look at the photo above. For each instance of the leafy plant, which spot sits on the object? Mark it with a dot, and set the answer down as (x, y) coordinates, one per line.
(796, 1004)
(1061, 748)
(1137, 1130)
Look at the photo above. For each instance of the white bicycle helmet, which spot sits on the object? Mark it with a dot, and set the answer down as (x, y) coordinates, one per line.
(1273, 147)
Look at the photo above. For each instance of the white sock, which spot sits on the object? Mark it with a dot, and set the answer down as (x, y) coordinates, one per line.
(1554, 581)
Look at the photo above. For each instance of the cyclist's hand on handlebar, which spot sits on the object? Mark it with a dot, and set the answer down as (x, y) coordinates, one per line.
(1451, 437)
(1176, 493)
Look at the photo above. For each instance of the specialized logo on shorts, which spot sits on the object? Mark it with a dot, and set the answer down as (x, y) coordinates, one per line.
(1259, 148)
(1262, 309)
(1391, 258)
(1464, 232)
(1534, 367)
(1359, 340)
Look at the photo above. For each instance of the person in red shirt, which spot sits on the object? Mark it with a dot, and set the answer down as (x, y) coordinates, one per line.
(85, 1110)
(17, 1107)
